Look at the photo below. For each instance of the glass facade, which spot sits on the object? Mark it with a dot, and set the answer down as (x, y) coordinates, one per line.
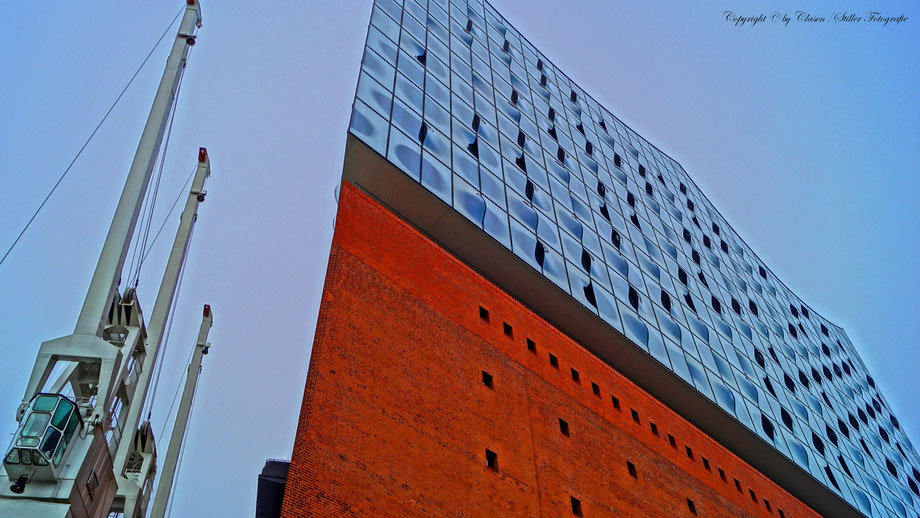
(452, 95)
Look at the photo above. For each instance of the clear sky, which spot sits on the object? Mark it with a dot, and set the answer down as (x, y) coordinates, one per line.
(806, 137)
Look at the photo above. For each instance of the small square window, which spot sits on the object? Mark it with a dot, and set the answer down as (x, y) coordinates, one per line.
(576, 506)
(635, 415)
(722, 475)
(672, 441)
(615, 401)
(632, 469)
(738, 486)
(781, 514)
(483, 313)
(767, 504)
(706, 464)
(491, 459)
(553, 360)
(654, 428)
(575, 377)
(689, 452)
(507, 327)
(487, 379)
(753, 495)
(531, 346)
(596, 389)
(563, 427)
(691, 506)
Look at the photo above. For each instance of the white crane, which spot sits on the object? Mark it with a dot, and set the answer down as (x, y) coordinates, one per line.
(80, 450)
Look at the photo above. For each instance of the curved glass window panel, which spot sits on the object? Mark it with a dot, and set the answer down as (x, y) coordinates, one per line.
(670, 328)
(436, 177)
(722, 366)
(436, 116)
(438, 91)
(649, 267)
(745, 364)
(872, 485)
(723, 328)
(387, 22)
(378, 68)
(698, 374)
(767, 428)
(374, 95)
(464, 164)
(554, 269)
(406, 119)
(492, 187)
(468, 201)
(405, 153)
(436, 68)
(541, 200)
(799, 452)
(382, 46)
(657, 349)
(749, 390)
(409, 93)
(524, 245)
(679, 363)
(495, 223)
(548, 232)
(862, 501)
(699, 328)
(724, 397)
(524, 213)
(370, 127)
(800, 410)
(634, 327)
(617, 262)
(568, 222)
(607, 307)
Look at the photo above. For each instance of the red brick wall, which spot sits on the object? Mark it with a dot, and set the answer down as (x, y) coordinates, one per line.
(396, 419)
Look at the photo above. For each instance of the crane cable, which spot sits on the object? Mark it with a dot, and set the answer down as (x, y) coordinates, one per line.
(86, 143)
(164, 343)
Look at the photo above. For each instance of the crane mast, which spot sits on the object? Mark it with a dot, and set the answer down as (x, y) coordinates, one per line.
(167, 479)
(79, 451)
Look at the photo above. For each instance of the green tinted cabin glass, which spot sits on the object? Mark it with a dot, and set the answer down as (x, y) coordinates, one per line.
(27, 441)
(12, 457)
(61, 414)
(37, 459)
(60, 454)
(45, 403)
(71, 426)
(26, 456)
(50, 443)
(36, 424)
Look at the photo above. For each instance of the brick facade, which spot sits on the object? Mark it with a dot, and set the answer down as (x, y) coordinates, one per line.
(409, 386)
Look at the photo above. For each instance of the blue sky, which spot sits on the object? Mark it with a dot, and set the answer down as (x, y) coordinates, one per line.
(806, 138)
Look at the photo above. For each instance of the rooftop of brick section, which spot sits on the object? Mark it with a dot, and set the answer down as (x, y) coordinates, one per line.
(412, 203)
